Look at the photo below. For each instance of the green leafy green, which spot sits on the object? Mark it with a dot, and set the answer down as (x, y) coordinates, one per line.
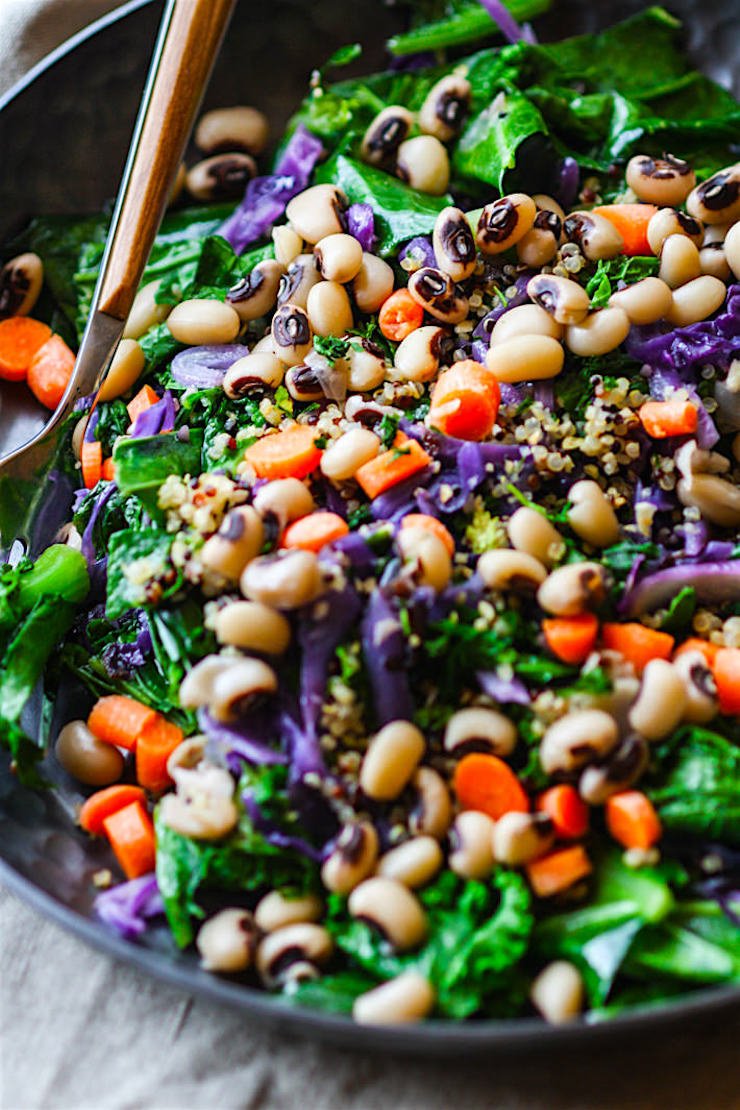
(680, 611)
(608, 274)
(466, 22)
(140, 573)
(143, 464)
(697, 788)
(489, 144)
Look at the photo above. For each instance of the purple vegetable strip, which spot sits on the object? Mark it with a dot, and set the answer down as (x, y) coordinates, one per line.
(711, 341)
(506, 691)
(126, 907)
(505, 21)
(275, 836)
(713, 582)
(238, 742)
(361, 224)
(420, 250)
(204, 367)
(383, 649)
(158, 418)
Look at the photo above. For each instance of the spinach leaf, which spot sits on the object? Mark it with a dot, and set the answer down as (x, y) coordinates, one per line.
(605, 280)
(698, 944)
(140, 573)
(697, 784)
(680, 611)
(489, 144)
(179, 640)
(113, 421)
(143, 464)
(468, 21)
(334, 994)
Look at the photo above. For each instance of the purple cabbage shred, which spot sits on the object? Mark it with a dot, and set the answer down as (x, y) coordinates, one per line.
(238, 743)
(506, 23)
(158, 418)
(204, 367)
(361, 224)
(383, 649)
(127, 907)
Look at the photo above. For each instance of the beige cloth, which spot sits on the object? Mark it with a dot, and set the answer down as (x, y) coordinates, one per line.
(81, 1032)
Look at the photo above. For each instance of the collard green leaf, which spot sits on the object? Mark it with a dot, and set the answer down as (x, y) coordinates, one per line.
(697, 788)
(488, 145)
(469, 21)
(139, 570)
(143, 464)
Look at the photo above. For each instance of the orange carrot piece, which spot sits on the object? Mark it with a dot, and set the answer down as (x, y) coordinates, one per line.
(104, 803)
(405, 458)
(50, 370)
(486, 783)
(430, 524)
(117, 719)
(465, 401)
(571, 638)
(704, 647)
(20, 339)
(314, 531)
(144, 399)
(631, 221)
(153, 748)
(557, 871)
(291, 453)
(726, 672)
(631, 819)
(400, 315)
(108, 470)
(637, 643)
(566, 809)
(91, 461)
(662, 419)
(131, 835)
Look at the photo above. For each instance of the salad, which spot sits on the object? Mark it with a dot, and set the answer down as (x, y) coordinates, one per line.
(401, 586)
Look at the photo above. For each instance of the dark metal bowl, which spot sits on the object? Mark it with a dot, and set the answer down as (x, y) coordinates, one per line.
(64, 131)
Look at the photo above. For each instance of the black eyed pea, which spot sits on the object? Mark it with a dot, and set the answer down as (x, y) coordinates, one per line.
(644, 302)
(503, 569)
(596, 236)
(667, 222)
(21, 280)
(425, 556)
(565, 300)
(366, 366)
(573, 589)
(417, 356)
(344, 457)
(479, 729)
(591, 515)
(188, 758)
(238, 540)
(317, 212)
(431, 813)
(78, 435)
(292, 953)
(599, 333)
(125, 369)
(285, 500)
(401, 1001)
(196, 687)
(525, 319)
(471, 845)
(373, 283)
(145, 312)
(338, 257)
(85, 757)
(276, 911)
(666, 180)
(732, 248)
(221, 177)
(526, 358)
(661, 702)
(199, 814)
(578, 738)
(558, 992)
(287, 580)
(200, 322)
(696, 300)
(547, 203)
(445, 107)
(257, 371)
(385, 134)
(532, 533)
(702, 703)
(256, 293)
(539, 246)
(622, 768)
(392, 909)
(679, 261)
(287, 244)
(227, 941)
(302, 383)
(504, 222)
(298, 281)
(413, 863)
(252, 627)
(352, 859)
(329, 309)
(519, 838)
(717, 200)
(390, 760)
(717, 500)
(240, 127)
(454, 245)
(238, 686)
(423, 164)
(713, 260)
(291, 334)
(438, 295)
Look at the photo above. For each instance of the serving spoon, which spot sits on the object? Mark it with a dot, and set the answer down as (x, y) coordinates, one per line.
(32, 503)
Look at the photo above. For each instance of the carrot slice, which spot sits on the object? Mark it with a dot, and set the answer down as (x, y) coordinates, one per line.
(430, 524)
(103, 803)
(20, 339)
(117, 719)
(465, 401)
(662, 419)
(631, 819)
(291, 453)
(631, 221)
(144, 399)
(571, 638)
(637, 643)
(314, 531)
(726, 672)
(486, 783)
(566, 809)
(154, 747)
(400, 315)
(704, 647)
(91, 461)
(108, 470)
(405, 458)
(557, 871)
(50, 370)
(131, 835)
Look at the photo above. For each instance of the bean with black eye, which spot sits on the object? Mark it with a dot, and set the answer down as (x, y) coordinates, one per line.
(702, 702)
(573, 589)
(226, 942)
(445, 107)
(86, 758)
(240, 127)
(288, 580)
(565, 300)
(454, 245)
(591, 515)
(596, 236)
(696, 300)
(525, 358)
(390, 908)
(471, 845)
(598, 333)
(668, 221)
(293, 953)
(201, 321)
(413, 863)
(276, 911)
(238, 686)
(338, 257)
(525, 319)
(366, 366)
(287, 244)
(427, 560)
(417, 356)
(432, 812)
(661, 701)
(285, 499)
(238, 540)
(222, 177)
(679, 261)
(644, 302)
(477, 728)
(547, 203)
(196, 687)
(732, 248)
(519, 838)
(717, 500)
(298, 281)
(504, 222)
(385, 134)
(373, 284)
(712, 257)
(317, 212)
(352, 859)
(438, 295)
(21, 280)
(303, 384)
(622, 768)
(540, 245)
(665, 180)
(717, 200)
(256, 293)
(329, 309)
(257, 371)
(576, 739)
(532, 533)
(502, 569)
(423, 163)
(291, 334)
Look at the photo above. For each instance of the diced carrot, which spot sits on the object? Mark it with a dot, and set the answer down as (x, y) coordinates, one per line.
(50, 370)
(314, 531)
(91, 461)
(726, 672)
(108, 470)
(465, 401)
(291, 453)
(486, 783)
(20, 339)
(131, 835)
(405, 458)
(103, 803)
(631, 819)
(704, 647)
(631, 221)
(637, 643)
(566, 809)
(400, 315)
(571, 638)
(154, 747)
(556, 872)
(430, 524)
(117, 719)
(662, 419)
(144, 399)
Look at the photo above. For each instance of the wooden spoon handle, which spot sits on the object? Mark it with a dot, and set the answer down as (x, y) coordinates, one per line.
(189, 39)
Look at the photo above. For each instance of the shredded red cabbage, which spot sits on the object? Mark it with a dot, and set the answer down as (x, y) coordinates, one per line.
(383, 649)
(419, 250)
(273, 835)
(239, 742)
(204, 367)
(506, 691)
(714, 583)
(126, 907)
(121, 658)
(158, 418)
(713, 341)
(361, 224)
(506, 23)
